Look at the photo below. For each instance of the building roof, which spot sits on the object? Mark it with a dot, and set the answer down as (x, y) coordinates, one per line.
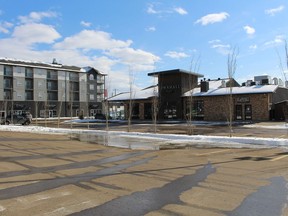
(175, 71)
(88, 69)
(43, 65)
(256, 89)
(143, 94)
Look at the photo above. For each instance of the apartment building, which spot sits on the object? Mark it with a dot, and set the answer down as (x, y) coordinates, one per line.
(50, 90)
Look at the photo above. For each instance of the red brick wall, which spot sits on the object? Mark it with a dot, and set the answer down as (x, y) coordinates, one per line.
(216, 108)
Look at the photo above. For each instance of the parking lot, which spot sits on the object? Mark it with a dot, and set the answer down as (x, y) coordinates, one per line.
(44, 174)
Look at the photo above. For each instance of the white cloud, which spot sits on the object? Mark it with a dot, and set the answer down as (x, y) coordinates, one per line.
(221, 48)
(150, 29)
(176, 55)
(253, 47)
(5, 26)
(249, 30)
(151, 10)
(214, 41)
(90, 39)
(85, 24)
(86, 48)
(36, 16)
(180, 11)
(279, 39)
(140, 59)
(212, 18)
(273, 11)
(35, 33)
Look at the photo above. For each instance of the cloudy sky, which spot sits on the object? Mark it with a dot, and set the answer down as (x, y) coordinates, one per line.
(126, 39)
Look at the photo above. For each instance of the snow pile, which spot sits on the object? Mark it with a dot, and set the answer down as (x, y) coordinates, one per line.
(162, 141)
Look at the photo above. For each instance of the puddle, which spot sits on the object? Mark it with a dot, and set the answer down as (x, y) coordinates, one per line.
(143, 202)
(119, 141)
(268, 200)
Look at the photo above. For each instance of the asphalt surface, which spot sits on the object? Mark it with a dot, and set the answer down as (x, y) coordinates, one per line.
(54, 175)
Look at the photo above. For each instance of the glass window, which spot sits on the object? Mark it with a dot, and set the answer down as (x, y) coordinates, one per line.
(91, 96)
(238, 110)
(248, 112)
(29, 84)
(29, 95)
(8, 71)
(91, 77)
(91, 86)
(28, 72)
(7, 83)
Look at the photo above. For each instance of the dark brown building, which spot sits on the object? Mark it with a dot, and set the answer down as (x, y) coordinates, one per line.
(172, 84)
(180, 95)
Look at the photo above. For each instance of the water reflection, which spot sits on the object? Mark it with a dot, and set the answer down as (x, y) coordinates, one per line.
(119, 141)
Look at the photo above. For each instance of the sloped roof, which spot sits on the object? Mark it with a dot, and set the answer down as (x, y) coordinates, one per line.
(88, 69)
(143, 94)
(256, 89)
(213, 84)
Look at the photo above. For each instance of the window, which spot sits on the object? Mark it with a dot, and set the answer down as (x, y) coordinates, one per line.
(29, 84)
(248, 112)
(52, 85)
(91, 86)
(99, 98)
(52, 74)
(74, 76)
(29, 95)
(52, 96)
(91, 77)
(91, 97)
(7, 83)
(8, 71)
(28, 73)
(238, 112)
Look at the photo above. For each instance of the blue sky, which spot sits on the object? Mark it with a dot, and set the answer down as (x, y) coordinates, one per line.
(124, 37)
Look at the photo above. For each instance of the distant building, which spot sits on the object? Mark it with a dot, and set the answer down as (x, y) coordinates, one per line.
(256, 100)
(50, 90)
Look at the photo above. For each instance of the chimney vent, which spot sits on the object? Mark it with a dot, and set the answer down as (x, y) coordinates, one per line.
(204, 86)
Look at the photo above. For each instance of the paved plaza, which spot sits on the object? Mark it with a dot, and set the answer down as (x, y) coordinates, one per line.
(47, 174)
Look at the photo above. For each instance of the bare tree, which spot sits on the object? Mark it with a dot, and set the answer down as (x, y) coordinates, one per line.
(131, 99)
(36, 111)
(284, 70)
(59, 111)
(232, 66)
(71, 105)
(106, 105)
(155, 106)
(194, 67)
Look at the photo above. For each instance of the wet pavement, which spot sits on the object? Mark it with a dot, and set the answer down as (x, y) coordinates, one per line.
(119, 141)
(268, 200)
(141, 203)
(55, 175)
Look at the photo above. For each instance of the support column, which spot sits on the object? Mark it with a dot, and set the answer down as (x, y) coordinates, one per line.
(141, 111)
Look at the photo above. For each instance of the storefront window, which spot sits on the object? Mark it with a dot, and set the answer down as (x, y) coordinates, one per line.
(238, 112)
(248, 112)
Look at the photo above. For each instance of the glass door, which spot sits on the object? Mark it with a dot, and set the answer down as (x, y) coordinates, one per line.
(238, 112)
